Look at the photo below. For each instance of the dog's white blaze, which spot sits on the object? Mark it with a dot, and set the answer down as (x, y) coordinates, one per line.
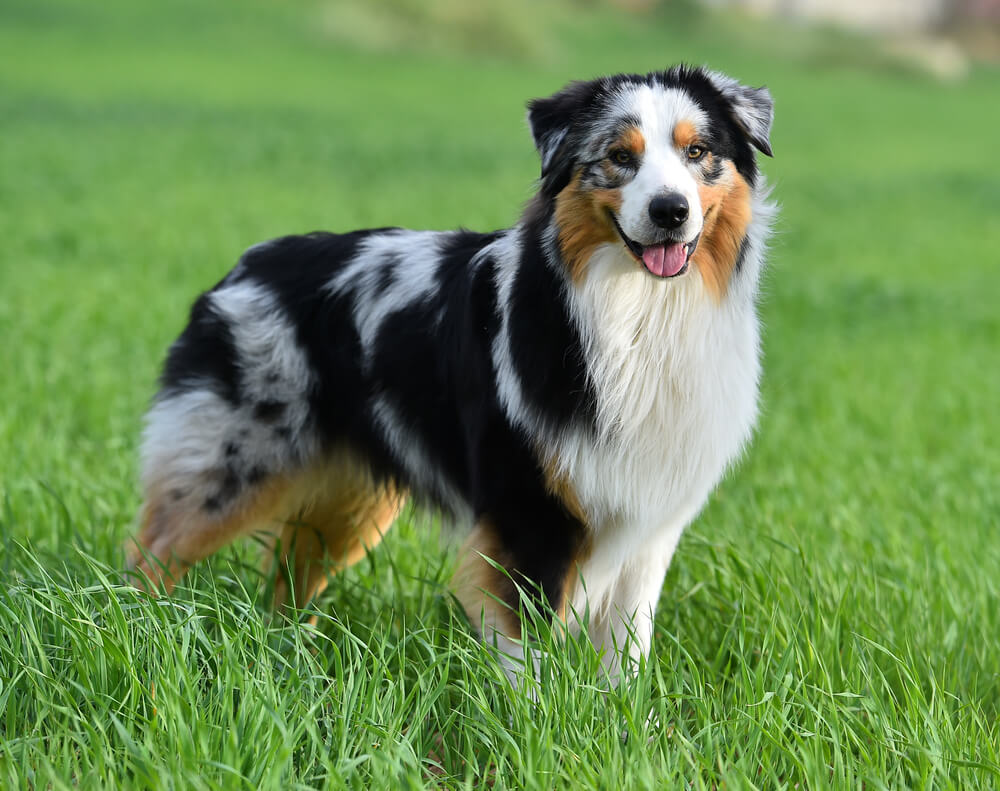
(663, 169)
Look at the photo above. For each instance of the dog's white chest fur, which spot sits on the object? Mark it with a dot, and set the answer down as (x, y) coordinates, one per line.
(676, 377)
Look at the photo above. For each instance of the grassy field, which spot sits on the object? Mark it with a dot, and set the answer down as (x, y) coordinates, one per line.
(832, 618)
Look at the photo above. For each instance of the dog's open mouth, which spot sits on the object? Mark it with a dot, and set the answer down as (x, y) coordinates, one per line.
(665, 259)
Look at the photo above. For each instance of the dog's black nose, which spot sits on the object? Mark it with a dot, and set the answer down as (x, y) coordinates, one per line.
(669, 211)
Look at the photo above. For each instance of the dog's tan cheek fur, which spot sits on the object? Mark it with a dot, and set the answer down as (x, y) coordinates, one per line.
(583, 222)
(727, 211)
(582, 214)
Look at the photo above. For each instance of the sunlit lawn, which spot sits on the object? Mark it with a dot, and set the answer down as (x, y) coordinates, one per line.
(831, 619)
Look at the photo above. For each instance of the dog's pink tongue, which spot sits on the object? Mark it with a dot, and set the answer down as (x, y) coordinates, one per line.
(664, 260)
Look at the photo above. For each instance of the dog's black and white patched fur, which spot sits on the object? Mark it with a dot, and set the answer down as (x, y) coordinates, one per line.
(575, 386)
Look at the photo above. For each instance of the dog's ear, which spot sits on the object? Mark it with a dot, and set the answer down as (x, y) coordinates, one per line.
(552, 121)
(752, 108)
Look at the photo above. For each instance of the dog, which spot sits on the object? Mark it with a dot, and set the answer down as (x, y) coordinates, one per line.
(573, 387)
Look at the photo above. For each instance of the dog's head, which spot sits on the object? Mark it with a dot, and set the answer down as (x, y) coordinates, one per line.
(661, 164)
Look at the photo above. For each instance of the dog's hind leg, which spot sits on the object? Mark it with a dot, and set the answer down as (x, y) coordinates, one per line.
(339, 513)
(177, 531)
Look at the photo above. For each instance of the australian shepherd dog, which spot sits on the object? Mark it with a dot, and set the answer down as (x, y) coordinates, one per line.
(573, 387)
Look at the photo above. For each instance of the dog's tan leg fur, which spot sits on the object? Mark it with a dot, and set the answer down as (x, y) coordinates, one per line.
(486, 593)
(175, 536)
(339, 520)
(322, 519)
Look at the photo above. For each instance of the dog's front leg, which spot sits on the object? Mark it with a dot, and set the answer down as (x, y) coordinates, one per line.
(513, 559)
(622, 603)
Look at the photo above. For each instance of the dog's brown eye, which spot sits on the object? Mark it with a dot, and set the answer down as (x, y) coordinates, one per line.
(696, 153)
(622, 157)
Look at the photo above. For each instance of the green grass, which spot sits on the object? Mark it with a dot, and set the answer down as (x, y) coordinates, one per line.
(830, 620)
